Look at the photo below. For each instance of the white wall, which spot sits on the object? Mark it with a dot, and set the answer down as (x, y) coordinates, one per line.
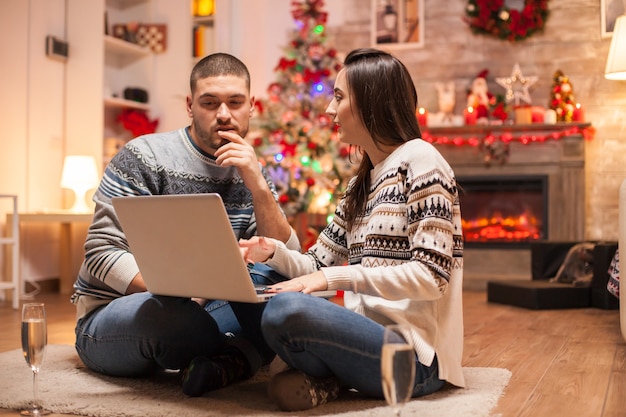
(31, 104)
(83, 108)
(172, 68)
(13, 100)
(31, 111)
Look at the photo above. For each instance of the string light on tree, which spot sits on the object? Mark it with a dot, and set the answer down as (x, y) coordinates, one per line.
(292, 134)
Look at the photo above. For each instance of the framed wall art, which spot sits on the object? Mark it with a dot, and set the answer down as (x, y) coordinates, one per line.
(609, 11)
(398, 23)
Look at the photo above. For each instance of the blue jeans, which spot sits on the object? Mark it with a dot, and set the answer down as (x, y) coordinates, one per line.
(322, 339)
(138, 334)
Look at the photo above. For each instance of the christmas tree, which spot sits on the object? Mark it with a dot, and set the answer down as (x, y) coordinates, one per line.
(562, 97)
(293, 136)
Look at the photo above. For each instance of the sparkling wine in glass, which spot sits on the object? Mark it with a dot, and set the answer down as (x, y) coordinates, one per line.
(397, 367)
(34, 339)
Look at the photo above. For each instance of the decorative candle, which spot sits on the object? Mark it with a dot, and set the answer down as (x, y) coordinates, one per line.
(523, 115)
(422, 116)
(537, 114)
(549, 117)
(579, 113)
(471, 116)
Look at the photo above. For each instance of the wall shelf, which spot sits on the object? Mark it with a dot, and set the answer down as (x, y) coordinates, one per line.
(115, 102)
(120, 53)
(483, 130)
(123, 4)
(204, 20)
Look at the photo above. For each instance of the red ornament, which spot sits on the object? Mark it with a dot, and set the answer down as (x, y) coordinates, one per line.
(285, 63)
(288, 149)
(309, 9)
(316, 51)
(258, 104)
(499, 112)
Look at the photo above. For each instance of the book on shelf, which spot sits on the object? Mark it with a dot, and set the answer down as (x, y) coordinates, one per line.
(202, 40)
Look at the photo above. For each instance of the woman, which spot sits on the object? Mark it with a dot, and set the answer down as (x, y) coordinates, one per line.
(394, 246)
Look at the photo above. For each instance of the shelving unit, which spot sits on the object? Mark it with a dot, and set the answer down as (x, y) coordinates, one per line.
(123, 62)
(120, 4)
(203, 35)
(126, 65)
(102, 66)
(12, 239)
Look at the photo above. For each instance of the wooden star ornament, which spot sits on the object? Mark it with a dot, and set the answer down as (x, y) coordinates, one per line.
(517, 86)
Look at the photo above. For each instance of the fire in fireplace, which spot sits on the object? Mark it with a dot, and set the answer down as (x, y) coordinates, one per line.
(504, 211)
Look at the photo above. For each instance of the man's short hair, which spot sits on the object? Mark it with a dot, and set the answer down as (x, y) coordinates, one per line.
(218, 64)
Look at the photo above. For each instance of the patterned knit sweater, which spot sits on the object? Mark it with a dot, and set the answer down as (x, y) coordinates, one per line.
(157, 164)
(403, 261)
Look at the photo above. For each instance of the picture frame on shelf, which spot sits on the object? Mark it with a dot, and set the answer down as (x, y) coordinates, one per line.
(610, 10)
(397, 24)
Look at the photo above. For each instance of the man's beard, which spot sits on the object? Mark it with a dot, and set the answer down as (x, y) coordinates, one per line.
(206, 138)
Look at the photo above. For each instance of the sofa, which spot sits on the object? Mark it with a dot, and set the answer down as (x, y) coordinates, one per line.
(541, 293)
(622, 244)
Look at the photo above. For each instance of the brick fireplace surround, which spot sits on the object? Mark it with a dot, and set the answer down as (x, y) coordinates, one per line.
(561, 160)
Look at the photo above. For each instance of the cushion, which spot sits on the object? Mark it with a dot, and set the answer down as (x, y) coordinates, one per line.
(600, 296)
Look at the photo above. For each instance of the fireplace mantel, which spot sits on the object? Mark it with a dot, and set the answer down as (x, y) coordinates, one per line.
(517, 131)
(554, 151)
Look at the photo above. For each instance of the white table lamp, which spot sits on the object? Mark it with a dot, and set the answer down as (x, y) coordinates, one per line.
(616, 62)
(80, 174)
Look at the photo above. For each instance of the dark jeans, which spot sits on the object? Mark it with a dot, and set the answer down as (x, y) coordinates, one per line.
(137, 334)
(322, 339)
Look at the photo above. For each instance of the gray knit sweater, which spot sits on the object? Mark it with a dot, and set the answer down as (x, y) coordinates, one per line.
(156, 164)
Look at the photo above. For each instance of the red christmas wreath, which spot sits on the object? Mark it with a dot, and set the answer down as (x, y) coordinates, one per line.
(493, 17)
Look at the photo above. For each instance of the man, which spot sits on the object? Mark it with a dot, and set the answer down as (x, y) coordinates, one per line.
(124, 330)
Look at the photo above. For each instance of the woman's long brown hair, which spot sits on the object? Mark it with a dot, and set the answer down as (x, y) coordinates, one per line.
(384, 98)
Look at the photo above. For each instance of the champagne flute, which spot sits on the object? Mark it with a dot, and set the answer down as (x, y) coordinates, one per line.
(397, 366)
(34, 339)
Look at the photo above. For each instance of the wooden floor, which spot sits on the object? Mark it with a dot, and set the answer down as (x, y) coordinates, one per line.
(565, 363)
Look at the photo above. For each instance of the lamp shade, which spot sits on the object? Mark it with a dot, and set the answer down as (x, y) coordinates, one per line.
(80, 174)
(616, 62)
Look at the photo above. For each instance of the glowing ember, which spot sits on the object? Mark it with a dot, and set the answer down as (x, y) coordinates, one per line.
(502, 228)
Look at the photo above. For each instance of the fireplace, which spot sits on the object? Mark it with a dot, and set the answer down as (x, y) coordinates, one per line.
(544, 179)
(506, 211)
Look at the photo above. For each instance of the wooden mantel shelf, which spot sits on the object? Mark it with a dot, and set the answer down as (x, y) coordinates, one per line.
(496, 140)
(513, 130)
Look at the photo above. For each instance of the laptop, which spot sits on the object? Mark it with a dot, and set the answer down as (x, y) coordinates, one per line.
(184, 246)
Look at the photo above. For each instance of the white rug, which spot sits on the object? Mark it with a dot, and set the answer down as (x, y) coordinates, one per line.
(67, 387)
